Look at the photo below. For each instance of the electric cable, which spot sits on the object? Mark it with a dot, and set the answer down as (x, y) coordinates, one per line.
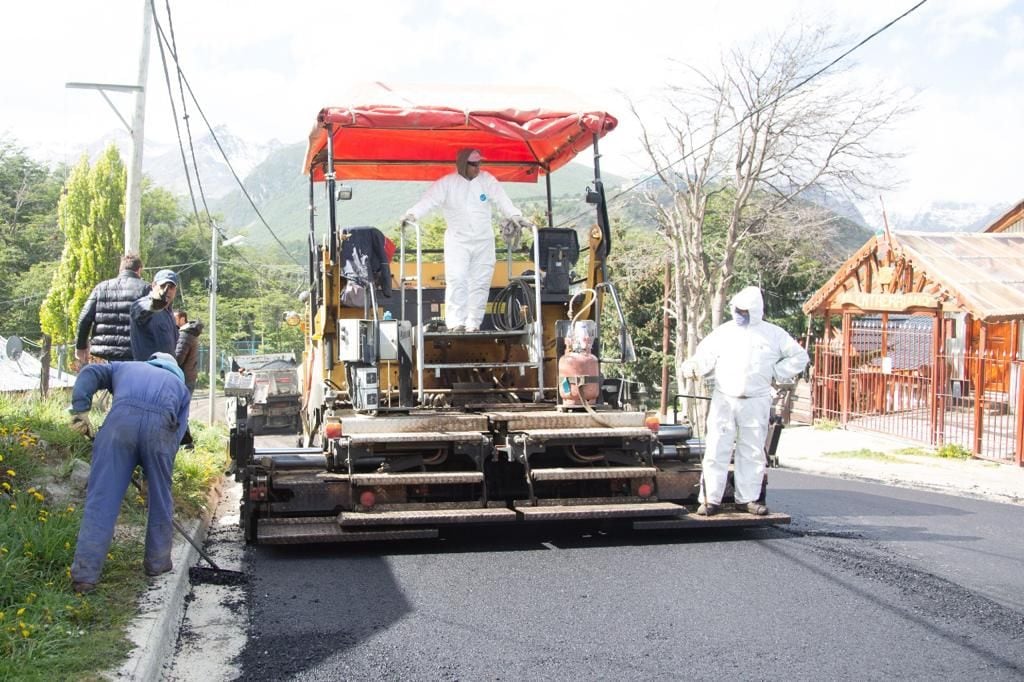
(751, 113)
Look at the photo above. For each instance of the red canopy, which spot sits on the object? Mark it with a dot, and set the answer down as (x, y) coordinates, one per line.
(388, 142)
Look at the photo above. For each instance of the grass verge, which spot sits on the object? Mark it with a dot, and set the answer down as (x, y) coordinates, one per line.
(862, 453)
(46, 631)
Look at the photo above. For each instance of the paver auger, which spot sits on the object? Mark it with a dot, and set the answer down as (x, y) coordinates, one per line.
(408, 426)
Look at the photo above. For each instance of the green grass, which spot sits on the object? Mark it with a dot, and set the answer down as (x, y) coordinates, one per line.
(862, 453)
(826, 424)
(953, 451)
(46, 631)
(916, 450)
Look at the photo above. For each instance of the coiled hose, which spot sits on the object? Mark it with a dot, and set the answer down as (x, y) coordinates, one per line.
(509, 307)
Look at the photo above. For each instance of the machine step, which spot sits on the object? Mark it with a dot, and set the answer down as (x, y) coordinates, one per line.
(589, 474)
(420, 478)
(599, 511)
(326, 529)
(425, 516)
(719, 520)
(415, 437)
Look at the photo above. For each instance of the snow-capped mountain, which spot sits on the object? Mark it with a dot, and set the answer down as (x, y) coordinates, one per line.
(162, 162)
(948, 216)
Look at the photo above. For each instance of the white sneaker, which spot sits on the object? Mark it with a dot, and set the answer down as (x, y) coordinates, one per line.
(470, 330)
(457, 330)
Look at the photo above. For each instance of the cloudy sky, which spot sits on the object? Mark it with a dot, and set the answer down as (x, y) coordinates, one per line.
(264, 68)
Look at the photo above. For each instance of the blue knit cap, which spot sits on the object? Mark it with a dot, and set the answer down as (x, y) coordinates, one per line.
(166, 361)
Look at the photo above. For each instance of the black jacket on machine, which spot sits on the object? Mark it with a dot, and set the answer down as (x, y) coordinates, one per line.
(106, 316)
(364, 260)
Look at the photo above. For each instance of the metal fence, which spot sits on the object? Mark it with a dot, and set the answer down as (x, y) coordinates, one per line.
(892, 384)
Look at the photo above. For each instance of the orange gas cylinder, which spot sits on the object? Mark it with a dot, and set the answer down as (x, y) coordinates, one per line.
(571, 368)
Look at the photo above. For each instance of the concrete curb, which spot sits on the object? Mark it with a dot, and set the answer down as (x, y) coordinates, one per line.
(154, 630)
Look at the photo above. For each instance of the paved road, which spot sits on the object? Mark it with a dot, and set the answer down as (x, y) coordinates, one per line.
(870, 582)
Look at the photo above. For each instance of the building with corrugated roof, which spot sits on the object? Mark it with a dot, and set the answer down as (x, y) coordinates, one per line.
(23, 373)
(920, 335)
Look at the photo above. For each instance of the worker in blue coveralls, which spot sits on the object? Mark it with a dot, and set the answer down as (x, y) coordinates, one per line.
(146, 421)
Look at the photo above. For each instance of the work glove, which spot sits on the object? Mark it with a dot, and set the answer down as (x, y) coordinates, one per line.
(512, 233)
(408, 218)
(689, 369)
(524, 224)
(80, 423)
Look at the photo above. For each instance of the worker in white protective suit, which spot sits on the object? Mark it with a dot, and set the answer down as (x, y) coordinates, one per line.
(465, 199)
(744, 355)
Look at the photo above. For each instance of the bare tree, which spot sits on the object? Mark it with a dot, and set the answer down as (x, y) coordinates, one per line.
(750, 137)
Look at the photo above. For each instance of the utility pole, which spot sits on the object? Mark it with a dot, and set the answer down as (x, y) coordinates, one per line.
(133, 200)
(214, 241)
(133, 194)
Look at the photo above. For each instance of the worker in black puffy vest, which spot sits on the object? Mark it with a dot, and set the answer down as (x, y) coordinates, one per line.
(104, 325)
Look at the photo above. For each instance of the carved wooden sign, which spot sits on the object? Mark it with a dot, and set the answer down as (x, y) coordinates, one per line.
(889, 303)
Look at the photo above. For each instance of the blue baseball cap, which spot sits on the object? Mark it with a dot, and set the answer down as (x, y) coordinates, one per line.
(166, 276)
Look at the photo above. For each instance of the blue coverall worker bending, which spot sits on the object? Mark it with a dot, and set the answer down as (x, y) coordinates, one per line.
(147, 419)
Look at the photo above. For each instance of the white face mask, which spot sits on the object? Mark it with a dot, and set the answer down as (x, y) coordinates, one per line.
(742, 317)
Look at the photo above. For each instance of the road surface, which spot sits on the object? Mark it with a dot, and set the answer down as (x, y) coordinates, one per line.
(869, 582)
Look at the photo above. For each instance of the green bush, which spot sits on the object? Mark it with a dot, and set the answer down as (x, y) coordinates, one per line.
(953, 451)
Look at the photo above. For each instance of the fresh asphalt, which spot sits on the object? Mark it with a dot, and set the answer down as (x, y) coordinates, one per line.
(869, 582)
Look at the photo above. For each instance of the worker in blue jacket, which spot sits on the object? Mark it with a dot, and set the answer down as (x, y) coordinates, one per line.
(153, 328)
(147, 418)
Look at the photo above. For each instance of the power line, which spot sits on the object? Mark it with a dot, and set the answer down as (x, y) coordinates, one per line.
(162, 40)
(758, 110)
(220, 148)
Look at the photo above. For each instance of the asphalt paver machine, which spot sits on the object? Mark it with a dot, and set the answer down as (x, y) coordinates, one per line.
(409, 426)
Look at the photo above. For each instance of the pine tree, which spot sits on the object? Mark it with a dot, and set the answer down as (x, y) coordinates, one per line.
(91, 215)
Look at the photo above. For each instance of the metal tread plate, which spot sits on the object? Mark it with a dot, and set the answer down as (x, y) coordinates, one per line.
(514, 334)
(418, 478)
(292, 531)
(588, 432)
(439, 422)
(422, 516)
(415, 437)
(550, 419)
(599, 511)
(720, 520)
(592, 473)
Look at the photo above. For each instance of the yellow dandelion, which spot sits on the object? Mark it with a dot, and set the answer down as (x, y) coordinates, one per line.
(71, 508)
(42, 519)
(10, 472)
(26, 634)
(110, 557)
(39, 496)
(31, 597)
(5, 485)
(21, 612)
(1, 458)
(67, 545)
(13, 507)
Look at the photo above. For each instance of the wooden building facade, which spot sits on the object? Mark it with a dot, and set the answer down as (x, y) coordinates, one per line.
(924, 339)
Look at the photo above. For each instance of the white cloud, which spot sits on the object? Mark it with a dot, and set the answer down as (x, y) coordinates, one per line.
(264, 68)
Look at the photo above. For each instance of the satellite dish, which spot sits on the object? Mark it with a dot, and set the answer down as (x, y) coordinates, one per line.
(14, 348)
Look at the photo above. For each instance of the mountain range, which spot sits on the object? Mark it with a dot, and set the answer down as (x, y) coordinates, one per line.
(272, 178)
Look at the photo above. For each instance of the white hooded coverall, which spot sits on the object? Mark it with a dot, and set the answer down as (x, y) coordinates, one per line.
(468, 241)
(744, 359)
